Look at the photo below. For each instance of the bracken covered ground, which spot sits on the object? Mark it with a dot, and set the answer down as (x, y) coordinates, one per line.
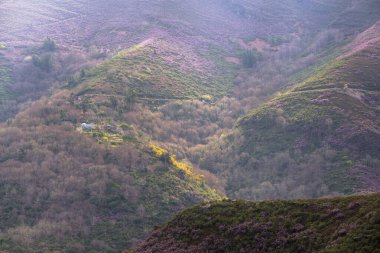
(350, 224)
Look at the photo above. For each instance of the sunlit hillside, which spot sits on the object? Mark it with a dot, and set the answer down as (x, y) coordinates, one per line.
(117, 115)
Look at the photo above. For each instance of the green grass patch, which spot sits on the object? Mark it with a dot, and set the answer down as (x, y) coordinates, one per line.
(141, 70)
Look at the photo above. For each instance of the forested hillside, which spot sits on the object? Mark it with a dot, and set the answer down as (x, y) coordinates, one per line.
(99, 189)
(115, 115)
(317, 137)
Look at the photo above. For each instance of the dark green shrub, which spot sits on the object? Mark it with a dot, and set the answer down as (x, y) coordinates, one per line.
(49, 45)
(249, 58)
(44, 62)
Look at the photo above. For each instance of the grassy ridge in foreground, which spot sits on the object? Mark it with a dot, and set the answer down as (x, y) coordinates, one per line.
(349, 224)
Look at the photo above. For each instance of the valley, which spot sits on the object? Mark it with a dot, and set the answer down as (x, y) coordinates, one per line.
(117, 116)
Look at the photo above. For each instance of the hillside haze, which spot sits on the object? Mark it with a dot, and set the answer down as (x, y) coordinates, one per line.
(117, 115)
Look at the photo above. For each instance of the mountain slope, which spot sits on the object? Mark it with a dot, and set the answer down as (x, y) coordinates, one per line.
(96, 189)
(158, 68)
(62, 190)
(76, 23)
(318, 137)
(84, 30)
(102, 185)
(321, 225)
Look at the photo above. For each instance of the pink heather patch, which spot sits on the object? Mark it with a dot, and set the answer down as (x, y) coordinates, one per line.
(258, 44)
(233, 60)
